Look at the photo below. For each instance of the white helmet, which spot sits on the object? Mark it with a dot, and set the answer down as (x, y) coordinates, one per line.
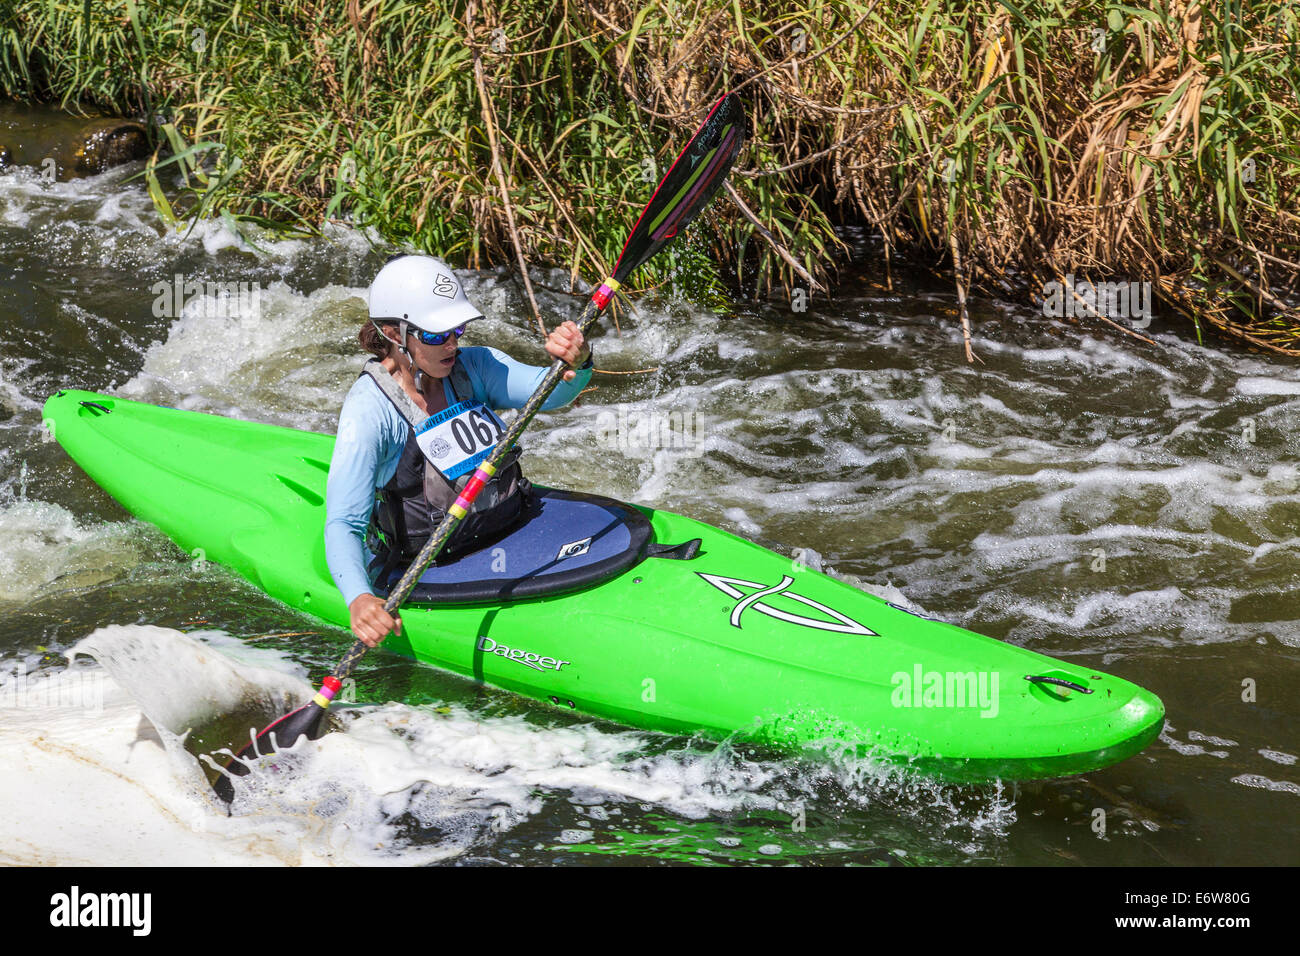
(420, 291)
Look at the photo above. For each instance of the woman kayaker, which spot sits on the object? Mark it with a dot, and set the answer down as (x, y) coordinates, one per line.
(382, 478)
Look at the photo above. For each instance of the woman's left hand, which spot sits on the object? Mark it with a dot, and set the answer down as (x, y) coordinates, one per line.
(565, 342)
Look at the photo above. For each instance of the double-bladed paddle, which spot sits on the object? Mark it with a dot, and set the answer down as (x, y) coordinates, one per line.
(686, 188)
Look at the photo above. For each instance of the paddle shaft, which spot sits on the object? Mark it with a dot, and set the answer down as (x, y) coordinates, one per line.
(433, 547)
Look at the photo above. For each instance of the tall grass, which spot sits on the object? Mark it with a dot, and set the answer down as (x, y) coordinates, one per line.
(1011, 143)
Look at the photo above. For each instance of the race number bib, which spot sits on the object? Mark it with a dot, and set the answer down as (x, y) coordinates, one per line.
(456, 439)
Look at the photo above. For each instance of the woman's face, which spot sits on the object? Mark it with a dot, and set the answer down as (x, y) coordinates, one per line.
(434, 360)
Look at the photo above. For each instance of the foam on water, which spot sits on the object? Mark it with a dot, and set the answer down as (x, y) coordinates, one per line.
(253, 359)
(180, 682)
(1259, 385)
(98, 771)
(117, 208)
(1087, 352)
(25, 195)
(12, 397)
(1260, 782)
(43, 545)
(1278, 756)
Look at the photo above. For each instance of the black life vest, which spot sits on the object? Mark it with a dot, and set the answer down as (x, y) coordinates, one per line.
(411, 506)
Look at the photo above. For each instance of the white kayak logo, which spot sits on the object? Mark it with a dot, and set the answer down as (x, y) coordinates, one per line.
(573, 549)
(731, 587)
(536, 661)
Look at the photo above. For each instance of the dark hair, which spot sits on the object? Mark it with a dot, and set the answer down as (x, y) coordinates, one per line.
(373, 341)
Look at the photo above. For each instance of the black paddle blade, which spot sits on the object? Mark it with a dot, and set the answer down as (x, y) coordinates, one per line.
(698, 173)
(306, 721)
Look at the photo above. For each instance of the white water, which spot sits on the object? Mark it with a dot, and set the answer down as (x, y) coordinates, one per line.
(981, 495)
(45, 547)
(97, 774)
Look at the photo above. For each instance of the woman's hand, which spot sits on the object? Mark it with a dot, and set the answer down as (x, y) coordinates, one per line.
(370, 622)
(565, 342)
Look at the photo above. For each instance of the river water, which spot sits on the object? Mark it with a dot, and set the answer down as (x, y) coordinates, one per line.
(1129, 507)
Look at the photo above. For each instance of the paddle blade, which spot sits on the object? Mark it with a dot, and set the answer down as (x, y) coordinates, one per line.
(698, 173)
(307, 721)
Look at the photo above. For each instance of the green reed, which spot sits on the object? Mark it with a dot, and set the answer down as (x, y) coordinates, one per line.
(1145, 141)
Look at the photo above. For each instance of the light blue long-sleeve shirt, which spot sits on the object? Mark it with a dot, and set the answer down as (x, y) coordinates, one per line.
(371, 437)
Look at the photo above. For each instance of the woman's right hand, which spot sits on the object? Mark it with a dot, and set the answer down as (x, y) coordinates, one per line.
(370, 622)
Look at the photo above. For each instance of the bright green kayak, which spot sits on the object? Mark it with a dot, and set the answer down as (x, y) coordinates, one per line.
(616, 611)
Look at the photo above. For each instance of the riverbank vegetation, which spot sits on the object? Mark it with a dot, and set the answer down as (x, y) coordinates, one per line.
(1010, 145)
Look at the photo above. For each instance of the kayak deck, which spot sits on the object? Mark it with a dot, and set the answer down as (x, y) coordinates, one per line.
(728, 638)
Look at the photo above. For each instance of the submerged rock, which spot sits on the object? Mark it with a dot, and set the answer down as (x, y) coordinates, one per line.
(64, 146)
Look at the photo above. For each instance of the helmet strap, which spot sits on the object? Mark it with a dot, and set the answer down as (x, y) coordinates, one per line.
(417, 373)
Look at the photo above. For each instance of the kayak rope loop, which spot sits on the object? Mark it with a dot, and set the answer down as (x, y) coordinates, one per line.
(106, 411)
(1058, 681)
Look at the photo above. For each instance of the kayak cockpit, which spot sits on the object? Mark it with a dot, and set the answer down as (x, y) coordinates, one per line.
(566, 541)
